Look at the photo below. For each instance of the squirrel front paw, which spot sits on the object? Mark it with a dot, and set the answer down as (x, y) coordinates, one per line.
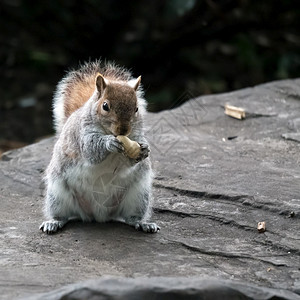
(115, 146)
(144, 152)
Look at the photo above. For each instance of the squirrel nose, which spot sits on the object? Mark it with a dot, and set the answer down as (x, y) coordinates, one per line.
(124, 130)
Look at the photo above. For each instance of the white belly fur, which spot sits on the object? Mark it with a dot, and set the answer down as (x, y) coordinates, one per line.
(99, 189)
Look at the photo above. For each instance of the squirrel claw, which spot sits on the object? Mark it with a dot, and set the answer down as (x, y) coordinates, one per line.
(52, 226)
(147, 227)
(144, 153)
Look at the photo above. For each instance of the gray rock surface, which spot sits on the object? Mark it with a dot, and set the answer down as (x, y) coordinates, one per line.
(216, 178)
(163, 288)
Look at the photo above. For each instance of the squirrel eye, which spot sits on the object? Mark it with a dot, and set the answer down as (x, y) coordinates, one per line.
(136, 109)
(105, 106)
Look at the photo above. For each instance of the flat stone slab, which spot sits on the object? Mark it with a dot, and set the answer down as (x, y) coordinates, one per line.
(163, 288)
(216, 178)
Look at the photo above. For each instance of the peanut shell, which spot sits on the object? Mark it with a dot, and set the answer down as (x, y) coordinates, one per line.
(132, 148)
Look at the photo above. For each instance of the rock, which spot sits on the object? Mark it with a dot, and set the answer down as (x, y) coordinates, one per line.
(163, 288)
(293, 136)
(210, 192)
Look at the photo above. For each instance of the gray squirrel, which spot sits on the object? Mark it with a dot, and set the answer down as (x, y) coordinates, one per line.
(89, 176)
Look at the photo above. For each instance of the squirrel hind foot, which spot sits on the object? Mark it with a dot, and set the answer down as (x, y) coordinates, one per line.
(53, 225)
(147, 227)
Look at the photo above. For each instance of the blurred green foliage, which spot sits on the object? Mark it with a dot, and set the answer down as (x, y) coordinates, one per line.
(178, 46)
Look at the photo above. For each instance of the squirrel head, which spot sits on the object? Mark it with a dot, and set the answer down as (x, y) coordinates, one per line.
(118, 106)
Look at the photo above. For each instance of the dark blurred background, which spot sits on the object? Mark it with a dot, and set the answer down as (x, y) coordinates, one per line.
(182, 49)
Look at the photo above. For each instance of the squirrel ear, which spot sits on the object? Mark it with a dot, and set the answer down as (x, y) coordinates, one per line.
(134, 83)
(101, 83)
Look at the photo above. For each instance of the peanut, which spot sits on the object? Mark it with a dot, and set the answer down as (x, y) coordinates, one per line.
(132, 148)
